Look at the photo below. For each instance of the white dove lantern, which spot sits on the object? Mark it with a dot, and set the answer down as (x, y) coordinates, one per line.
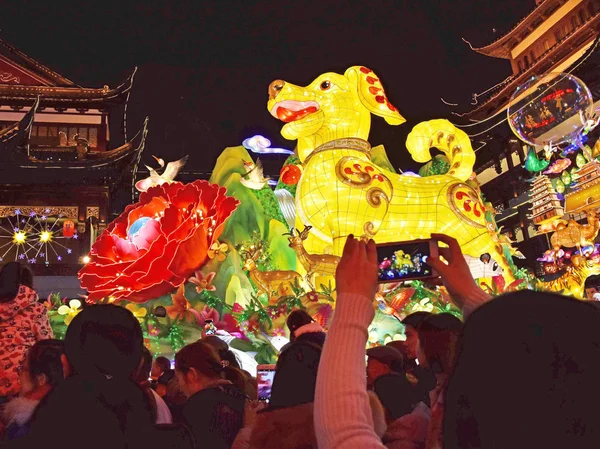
(167, 176)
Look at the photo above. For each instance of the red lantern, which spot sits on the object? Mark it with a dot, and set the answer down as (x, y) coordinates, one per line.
(290, 174)
(68, 228)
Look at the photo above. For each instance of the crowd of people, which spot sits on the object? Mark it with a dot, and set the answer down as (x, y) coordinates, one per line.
(519, 372)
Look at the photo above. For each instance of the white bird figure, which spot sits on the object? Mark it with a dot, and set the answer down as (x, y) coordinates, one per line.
(167, 176)
(254, 178)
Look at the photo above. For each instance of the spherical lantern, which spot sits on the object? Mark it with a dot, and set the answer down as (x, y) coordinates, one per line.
(290, 175)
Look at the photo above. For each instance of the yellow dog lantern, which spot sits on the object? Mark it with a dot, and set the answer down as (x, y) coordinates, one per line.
(342, 192)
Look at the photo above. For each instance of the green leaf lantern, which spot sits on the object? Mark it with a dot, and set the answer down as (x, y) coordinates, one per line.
(560, 186)
(566, 178)
(533, 164)
(580, 160)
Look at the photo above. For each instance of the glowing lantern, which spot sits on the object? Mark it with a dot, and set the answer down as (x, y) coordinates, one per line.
(45, 236)
(290, 174)
(68, 228)
(19, 237)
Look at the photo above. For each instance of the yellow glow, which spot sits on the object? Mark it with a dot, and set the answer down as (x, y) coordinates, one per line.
(86, 259)
(19, 237)
(544, 27)
(45, 236)
(342, 192)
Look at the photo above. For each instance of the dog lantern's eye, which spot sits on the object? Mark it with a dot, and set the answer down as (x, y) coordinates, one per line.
(325, 85)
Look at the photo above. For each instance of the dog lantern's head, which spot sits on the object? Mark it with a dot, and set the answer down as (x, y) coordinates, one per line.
(332, 107)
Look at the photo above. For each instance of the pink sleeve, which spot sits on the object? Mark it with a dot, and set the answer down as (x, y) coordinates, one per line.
(343, 418)
(41, 324)
(475, 299)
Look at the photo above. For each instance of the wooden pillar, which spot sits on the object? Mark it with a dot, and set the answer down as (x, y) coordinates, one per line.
(103, 135)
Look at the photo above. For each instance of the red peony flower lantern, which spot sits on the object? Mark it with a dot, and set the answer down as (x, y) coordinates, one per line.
(68, 229)
(290, 174)
(157, 243)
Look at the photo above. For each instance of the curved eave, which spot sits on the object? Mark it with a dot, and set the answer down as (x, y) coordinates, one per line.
(499, 48)
(535, 69)
(20, 130)
(51, 96)
(124, 153)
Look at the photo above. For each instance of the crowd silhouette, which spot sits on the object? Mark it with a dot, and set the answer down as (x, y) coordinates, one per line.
(520, 372)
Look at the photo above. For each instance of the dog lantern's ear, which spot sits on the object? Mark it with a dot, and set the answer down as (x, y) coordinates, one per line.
(371, 94)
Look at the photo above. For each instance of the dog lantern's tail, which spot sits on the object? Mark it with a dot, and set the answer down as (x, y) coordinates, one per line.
(446, 137)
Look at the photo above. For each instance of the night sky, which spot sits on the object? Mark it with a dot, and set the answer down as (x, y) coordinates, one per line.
(204, 67)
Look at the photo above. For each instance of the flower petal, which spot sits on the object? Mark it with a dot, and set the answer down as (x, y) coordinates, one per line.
(63, 310)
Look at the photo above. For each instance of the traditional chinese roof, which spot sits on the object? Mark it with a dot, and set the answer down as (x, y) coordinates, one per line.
(498, 98)
(16, 67)
(23, 79)
(16, 136)
(97, 168)
(501, 47)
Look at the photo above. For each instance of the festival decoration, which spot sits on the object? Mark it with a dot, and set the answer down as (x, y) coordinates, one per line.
(168, 176)
(70, 311)
(254, 178)
(138, 311)
(546, 206)
(575, 234)
(342, 192)
(290, 174)
(324, 264)
(35, 237)
(572, 281)
(262, 145)
(267, 282)
(438, 165)
(547, 109)
(533, 164)
(558, 167)
(585, 189)
(68, 228)
(157, 243)
(483, 266)
(202, 282)
(580, 160)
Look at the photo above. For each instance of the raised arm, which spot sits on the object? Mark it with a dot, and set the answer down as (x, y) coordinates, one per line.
(343, 418)
(457, 276)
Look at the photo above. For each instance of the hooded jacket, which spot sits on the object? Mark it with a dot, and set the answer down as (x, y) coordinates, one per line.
(23, 321)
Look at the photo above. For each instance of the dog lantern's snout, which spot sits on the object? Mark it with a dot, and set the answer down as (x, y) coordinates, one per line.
(275, 87)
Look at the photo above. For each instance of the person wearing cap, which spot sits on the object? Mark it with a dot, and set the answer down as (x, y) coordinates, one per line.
(381, 361)
(303, 327)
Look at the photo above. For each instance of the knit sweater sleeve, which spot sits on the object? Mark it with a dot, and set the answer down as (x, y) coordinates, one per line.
(472, 301)
(343, 418)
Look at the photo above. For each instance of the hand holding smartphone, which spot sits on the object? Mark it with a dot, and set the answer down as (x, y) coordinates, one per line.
(265, 375)
(403, 261)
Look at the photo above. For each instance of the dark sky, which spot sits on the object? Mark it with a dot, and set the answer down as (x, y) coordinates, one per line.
(204, 66)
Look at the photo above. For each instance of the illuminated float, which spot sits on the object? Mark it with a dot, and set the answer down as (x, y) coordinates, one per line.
(242, 254)
(555, 113)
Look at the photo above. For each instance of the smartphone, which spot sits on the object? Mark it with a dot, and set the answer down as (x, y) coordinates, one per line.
(265, 375)
(403, 261)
